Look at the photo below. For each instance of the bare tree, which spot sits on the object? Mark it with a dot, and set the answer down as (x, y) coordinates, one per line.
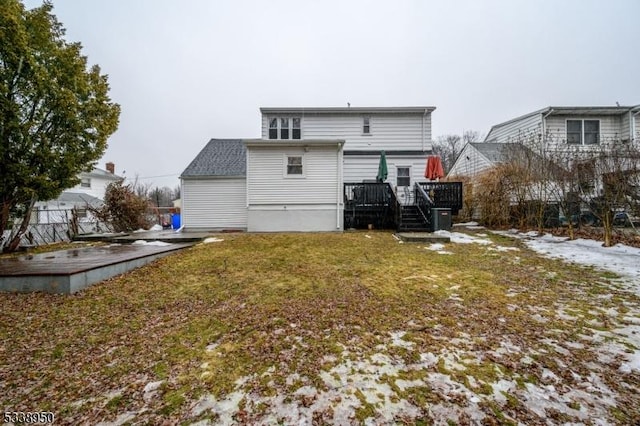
(470, 136)
(615, 173)
(448, 147)
(161, 197)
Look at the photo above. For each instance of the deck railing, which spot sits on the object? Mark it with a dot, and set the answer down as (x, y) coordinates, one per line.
(444, 194)
(376, 204)
(367, 194)
(370, 203)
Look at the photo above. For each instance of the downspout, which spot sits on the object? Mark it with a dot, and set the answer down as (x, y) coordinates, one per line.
(426, 111)
(632, 123)
(339, 191)
(181, 202)
(246, 180)
(544, 126)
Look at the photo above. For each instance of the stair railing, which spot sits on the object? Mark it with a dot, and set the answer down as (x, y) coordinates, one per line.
(423, 202)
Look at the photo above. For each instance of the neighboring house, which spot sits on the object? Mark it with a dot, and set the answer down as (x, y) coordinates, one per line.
(292, 178)
(553, 128)
(476, 157)
(89, 192)
(579, 126)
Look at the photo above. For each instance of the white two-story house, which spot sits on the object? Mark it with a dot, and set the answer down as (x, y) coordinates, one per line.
(90, 192)
(291, 178)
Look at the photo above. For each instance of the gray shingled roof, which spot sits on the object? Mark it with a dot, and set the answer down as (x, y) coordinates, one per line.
(79, 198)
(220, 157)
(493, 151)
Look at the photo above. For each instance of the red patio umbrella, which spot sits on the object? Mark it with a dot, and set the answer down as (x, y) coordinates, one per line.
(434, 170)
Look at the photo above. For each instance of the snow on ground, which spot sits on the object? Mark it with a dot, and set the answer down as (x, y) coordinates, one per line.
(150, 243)
(620, 259)
(212, 240)
(438, 248)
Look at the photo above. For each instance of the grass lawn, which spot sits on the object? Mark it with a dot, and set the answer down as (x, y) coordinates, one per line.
(329, 328)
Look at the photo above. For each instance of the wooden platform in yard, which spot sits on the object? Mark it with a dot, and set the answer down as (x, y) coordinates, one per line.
(67, 271)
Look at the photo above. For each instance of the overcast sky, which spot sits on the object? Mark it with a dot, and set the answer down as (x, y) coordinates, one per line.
(187, 71)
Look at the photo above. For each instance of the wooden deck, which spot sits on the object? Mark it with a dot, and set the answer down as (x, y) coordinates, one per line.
(67, 271)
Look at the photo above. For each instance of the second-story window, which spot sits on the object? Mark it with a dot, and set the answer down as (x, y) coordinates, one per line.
(583, 132)
(285, 128)
(273, 128)
(366, 126)
(85, 183)
(296, 128)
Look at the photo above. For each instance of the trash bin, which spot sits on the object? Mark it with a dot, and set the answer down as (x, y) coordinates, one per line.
(441, 219)
(175, 220)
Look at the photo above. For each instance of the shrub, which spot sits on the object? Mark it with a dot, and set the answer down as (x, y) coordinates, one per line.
(123, 210)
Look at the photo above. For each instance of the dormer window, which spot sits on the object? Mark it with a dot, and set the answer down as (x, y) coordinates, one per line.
(284, 128)
(273, 128)
(366, 126)
(296, 128)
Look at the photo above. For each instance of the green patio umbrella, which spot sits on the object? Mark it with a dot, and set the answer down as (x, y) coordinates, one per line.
(382, 168)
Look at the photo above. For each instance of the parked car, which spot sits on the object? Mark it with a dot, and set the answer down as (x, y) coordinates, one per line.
(623, 218)
(584, 218)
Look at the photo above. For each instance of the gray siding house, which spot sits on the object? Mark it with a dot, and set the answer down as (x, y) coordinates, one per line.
(476, 157)
(553, 128)
(291, 179)
(571, 125)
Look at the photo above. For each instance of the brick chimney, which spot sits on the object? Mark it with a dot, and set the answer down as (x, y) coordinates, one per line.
(111, 168)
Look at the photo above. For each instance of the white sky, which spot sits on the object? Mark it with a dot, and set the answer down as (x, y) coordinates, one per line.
(187, 71)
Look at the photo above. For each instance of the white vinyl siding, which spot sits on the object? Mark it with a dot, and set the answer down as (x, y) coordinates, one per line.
(365, 167)
(387, 131)
(269, 186)
(519, 130)
(215, 203)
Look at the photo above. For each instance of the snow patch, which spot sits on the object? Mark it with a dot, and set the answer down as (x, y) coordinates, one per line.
(212, 240)
(150, 243)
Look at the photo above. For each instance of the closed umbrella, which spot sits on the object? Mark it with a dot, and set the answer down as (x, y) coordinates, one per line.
(434, 170)
(382, 168)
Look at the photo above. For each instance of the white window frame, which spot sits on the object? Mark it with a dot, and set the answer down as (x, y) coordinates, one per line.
(294, 128)
(279, 127)
(85, 183)
(582, 132)
(398, 175)
(366, 122)
(269, 128)
(285, 170)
